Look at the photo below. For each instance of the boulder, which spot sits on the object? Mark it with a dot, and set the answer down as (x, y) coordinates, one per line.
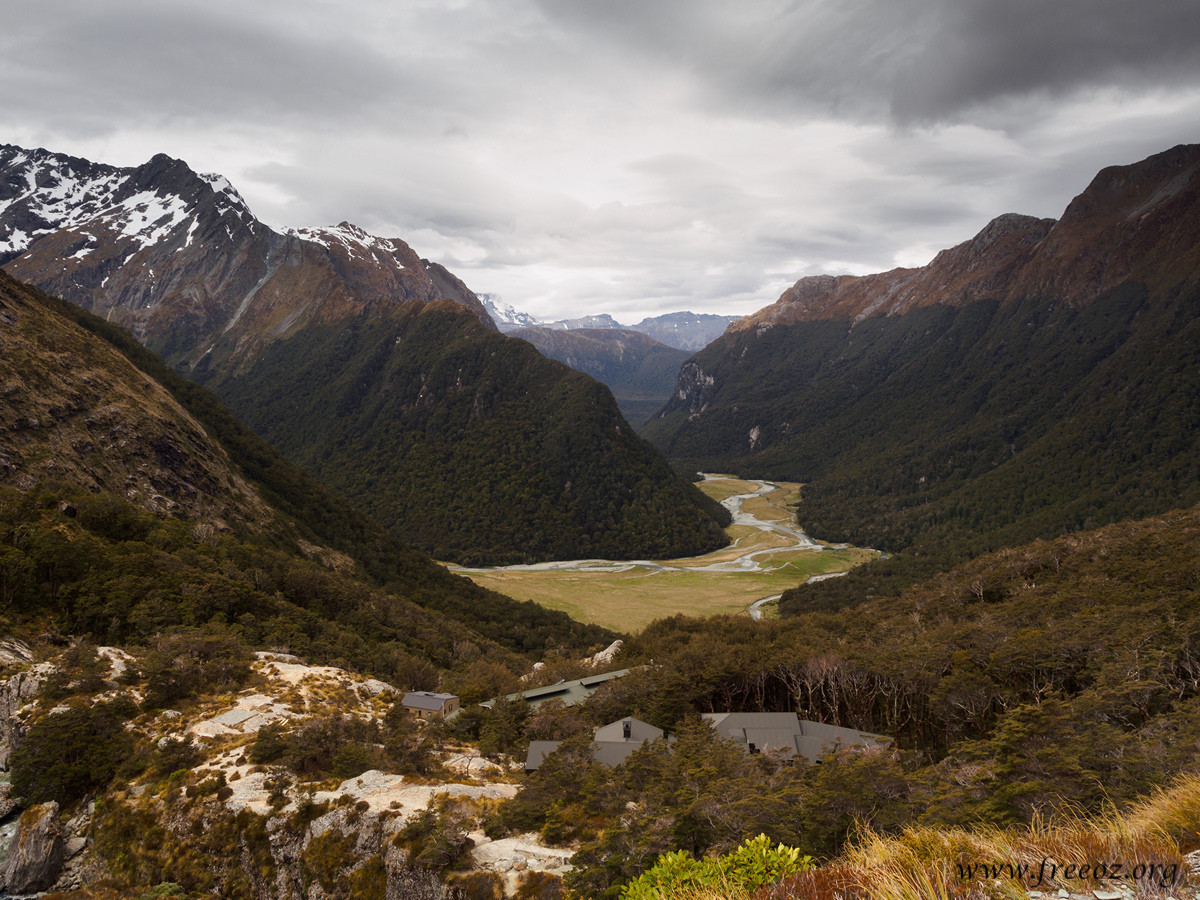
(37, 852)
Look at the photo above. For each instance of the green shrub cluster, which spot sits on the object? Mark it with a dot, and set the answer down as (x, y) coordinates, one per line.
(216, 597)
(343, 746)
(67, 755)
(755, 863)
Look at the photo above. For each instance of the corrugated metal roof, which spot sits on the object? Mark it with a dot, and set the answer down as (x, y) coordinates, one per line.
(425, 700)
(789, 733)
(638, 731)
(569, 692)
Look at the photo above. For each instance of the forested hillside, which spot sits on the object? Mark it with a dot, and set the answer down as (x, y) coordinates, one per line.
(638, 370)
(1040, 378)
(964, 428)
(297, 511)
(467, 446)
(472, 446)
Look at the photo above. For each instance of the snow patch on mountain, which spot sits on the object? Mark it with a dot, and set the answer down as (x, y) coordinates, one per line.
(148, 216)
(505, 316)
(352, 239)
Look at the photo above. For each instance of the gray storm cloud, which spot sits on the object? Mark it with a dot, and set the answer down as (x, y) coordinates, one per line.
(636, 156)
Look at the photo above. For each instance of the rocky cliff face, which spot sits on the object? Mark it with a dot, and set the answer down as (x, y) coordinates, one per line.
(37, 852)
(1132, 222)
(233, 826)
(179, 259)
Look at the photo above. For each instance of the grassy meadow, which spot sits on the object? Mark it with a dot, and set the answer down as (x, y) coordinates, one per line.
(630, 599)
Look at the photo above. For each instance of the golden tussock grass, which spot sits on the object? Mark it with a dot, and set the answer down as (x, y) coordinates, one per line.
(930, 863)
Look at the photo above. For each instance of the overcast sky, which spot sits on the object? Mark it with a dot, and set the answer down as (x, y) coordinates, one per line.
(622, 156)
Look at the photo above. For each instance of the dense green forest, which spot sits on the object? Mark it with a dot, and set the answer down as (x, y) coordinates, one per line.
(93, 565)
(471, 446)
(1048, 419)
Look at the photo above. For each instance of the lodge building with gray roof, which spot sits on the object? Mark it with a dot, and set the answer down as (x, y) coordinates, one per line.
(784, 735)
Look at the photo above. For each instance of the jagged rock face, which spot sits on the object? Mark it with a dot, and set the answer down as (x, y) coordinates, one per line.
(1132, 222)
(694, 388)
(180, 260)
(37, 852)
(74, 409)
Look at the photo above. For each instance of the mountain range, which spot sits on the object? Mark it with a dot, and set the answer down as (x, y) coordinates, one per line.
(639, 363)
(681, 330)
(1041, 377)
(1038, 379)
(378, 370)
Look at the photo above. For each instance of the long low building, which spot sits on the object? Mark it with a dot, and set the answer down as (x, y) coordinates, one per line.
(785, 735)
(568, 692)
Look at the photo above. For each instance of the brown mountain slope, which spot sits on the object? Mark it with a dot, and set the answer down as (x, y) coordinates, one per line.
(1140, 221)
(76, 410)
(179, 259)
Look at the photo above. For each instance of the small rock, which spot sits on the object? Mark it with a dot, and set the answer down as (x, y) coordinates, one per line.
(7, 803)
(373, 687)
(1107, 895)
(75, 846)
(14, 652)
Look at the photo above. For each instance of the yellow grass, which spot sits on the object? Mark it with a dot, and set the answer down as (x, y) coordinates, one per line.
(630, 600)
(923, 863)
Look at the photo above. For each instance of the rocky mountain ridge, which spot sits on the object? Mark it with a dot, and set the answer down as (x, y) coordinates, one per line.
(179, 259)
(681, 330)
(1132, 222)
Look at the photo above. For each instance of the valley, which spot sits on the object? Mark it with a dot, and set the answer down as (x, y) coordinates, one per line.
(1015, 427)
(767, 554)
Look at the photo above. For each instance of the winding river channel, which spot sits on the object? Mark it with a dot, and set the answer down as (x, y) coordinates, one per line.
(784, 539)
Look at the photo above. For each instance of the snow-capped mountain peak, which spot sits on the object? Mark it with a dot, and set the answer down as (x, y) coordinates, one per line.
(44, 193)
(505, 316)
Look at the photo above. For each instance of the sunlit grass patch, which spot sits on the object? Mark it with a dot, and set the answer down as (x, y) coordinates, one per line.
(631, 599)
